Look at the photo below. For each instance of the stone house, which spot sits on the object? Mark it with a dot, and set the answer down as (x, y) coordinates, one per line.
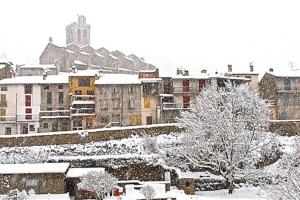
(55, 104)
(281, 90)
(44, 178)
(118, 100)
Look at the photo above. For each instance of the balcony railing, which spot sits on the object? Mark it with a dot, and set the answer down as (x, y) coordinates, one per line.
(55, 114)
(186, 89)
(288, 88)
(175, 106)
(7, 118)
(83, 97)
(82, 112)
(3, 104)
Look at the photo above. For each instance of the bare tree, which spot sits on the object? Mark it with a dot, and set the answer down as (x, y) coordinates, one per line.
(222, 133)
(148, 192)
(100, 183)
(16, 195)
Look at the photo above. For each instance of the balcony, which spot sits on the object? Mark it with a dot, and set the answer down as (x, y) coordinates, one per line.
(83, 97)
(82, 112)
(55, 114)
(175, 106)
(7, 119)
(3, 104)
(186, 89)
(288, 88)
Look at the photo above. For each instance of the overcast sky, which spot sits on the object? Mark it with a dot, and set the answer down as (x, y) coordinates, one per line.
(194, 34)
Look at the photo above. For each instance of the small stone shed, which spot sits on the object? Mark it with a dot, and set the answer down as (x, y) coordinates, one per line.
(44, 178)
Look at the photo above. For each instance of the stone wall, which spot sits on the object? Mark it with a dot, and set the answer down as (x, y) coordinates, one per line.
(45, 183)
(72, 137)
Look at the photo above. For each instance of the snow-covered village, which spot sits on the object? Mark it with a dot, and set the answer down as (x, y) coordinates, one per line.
(149, 100)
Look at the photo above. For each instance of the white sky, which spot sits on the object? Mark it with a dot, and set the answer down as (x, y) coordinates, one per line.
(195, 34)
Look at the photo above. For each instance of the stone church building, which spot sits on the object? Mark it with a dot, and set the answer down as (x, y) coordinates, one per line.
(79, 53)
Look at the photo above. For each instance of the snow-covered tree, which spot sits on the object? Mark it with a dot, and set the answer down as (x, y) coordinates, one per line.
(149, 144)
(100, 183)
(148, 192)
(286, 185)
(16, 195)
(222, 133)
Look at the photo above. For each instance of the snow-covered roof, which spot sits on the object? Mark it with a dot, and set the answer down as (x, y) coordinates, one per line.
(50, 79)
(112, 56)
(228, 77)
(48, 197)
(89, 72)
(242, 73)
(124, 69)
(2, 66)
(195, 76)
(99, 54)
(285, 73)
(83, 102)
(80, 172)
(85, 53)
(40, 168)
(151, 80)
(37, 66)
(198, 175)
(110, 79)
(77, 62)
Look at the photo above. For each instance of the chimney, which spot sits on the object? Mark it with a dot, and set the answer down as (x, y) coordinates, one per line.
(271, 69)
(44, 75)
(229, 68)
(251, 67)
(203, 71)
(186, 72)
(73, 69)
(178, 71)
(50, 40)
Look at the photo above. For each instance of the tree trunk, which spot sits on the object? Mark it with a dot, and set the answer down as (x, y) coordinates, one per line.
(229, 183)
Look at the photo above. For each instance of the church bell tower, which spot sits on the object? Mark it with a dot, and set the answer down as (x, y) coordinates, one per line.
(78, 32)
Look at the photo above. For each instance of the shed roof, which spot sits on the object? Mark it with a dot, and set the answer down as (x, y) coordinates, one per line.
(80, 172)
(39, 168)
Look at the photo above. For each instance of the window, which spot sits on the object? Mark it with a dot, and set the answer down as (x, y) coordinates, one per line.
(116, 117)
(149, 120)
(31, 128)
(28, 111)
(60, 87)
(45, 125)
(7, 130)
(283, 116)
(104, 104)
(134, 120)
(150, 89)
(147, 103)
(54, 126)
(46, 87)
(131, 90)
(84, 82)
(27, 100)
(60, 97)
(285, 100)
(89, 123)
(28, 117)
(104, 119)
(3, 97)
(28, 89)
(131, 104)
(287, 84)
(61, 113)
(32, 182)
(2, 114)
(77, 125)
(4, 88)
(64, 126)
(115, 90)
(49, 113)
(49, 97)
(103, 91)
(116, 103)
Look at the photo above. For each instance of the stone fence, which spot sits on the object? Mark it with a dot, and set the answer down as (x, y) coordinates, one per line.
(85, 136)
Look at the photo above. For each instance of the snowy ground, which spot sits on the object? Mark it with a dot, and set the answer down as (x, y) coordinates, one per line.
(244, 193)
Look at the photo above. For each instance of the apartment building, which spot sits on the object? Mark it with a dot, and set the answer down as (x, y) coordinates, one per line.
(281, 90)
(118, 100)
